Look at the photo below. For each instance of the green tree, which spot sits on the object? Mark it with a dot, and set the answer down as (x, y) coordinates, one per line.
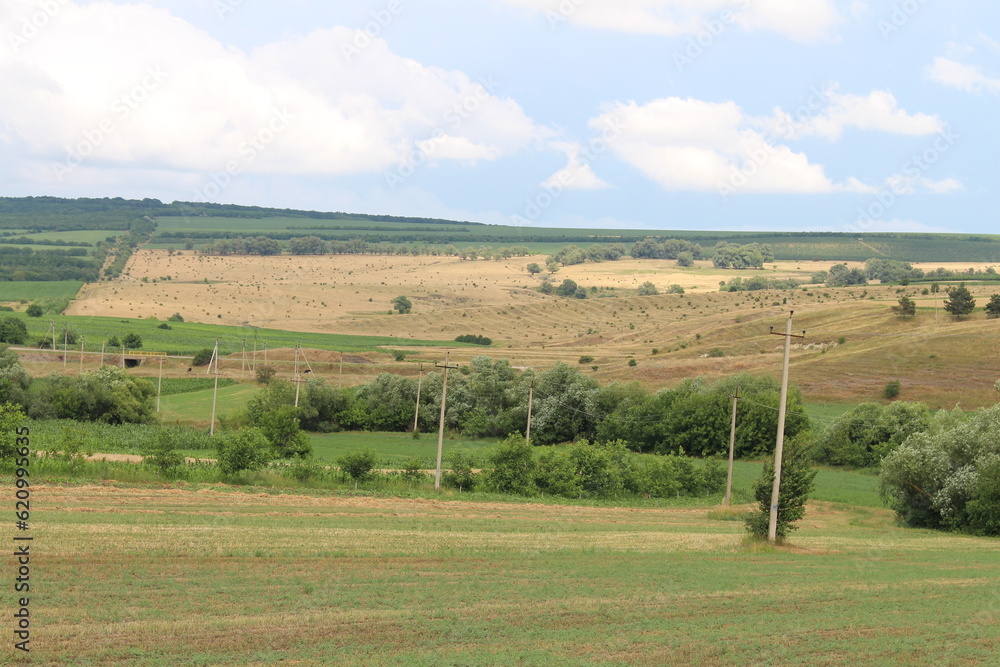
(246, 449)
(993, 307)
(280, 425)
(162, 455)
(797, 482)
(647, 289)
(511, 467)
(114, 342)
(358, 465)
(533, 268)
(132, 341)
(402, 304)
(34, 310)
(867, 433)
(13, 380)
(685, 258)
(13, 331)
(959, 302)
(907, 307)
(201, 358)
(11, 417)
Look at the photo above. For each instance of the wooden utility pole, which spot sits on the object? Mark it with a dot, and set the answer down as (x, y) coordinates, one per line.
(296, 378)
(416, 412)
(215, 390)
(531, 396)
(444, 395)
(123, 354)
(243, 363)
(772, 522)
(81, 354)
(65, 346)
(254, 367)
(340, 380)
(102, 354)
(732, 448)
(159, 385)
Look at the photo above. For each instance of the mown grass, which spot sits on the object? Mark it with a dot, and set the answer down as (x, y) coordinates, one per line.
(15, 290)
(221, 576)
(195, 407)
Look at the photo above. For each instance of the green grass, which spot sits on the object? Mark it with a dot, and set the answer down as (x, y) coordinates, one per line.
(172, 386)
(196, 406)
(355, 580)
(32, 290)
(390, 446)
(189, 337)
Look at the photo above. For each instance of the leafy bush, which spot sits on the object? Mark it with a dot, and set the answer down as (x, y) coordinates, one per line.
(202, 357)
(246, 449)
(461, 475)
(264, 374)
(797, 482)
(34, 310)
(474, 339)
(176, 317)
(511, 467)
(865, 434)
(162, 455)
(132, 341)
(585, 359)
(358, 465)
(948, 476)
(13, 331)
(647, 289)
(891, 390)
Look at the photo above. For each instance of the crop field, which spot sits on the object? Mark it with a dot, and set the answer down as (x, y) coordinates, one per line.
(13, 291)
(178, 576)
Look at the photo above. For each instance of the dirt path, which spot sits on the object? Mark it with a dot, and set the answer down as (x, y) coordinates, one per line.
(131, 458)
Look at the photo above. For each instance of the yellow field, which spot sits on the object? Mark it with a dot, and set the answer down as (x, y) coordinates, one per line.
(937, 359)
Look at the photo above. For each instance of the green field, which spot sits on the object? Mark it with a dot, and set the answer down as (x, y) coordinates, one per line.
(196, 406)
(33, 290)
(197, 576)
(189, 337)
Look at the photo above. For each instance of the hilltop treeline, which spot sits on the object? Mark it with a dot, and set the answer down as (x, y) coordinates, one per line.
(31, 264)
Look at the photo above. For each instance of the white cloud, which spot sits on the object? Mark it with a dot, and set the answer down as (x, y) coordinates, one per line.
(878, 111)
(962, 77)
(297, 106)
(577, 174)
(800, 20)
(943, 187)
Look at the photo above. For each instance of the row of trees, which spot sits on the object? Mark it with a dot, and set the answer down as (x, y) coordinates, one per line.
(959, 303)
(736, 256)
(315, 245)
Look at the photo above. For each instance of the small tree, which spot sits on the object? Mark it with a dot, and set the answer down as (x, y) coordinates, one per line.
(891, 390)
(246, 449)
(402, 304)
(533, 268)
(176, 317)
(202, 357)
(647, 289)
(162, 455)
(907, 307)
(797, 481)
(114, 342)
(513, 467)
(959, 302)
(265, 374)
(993, 307)
(685, 258)
(357, 465)
(13, 331)
(34, 310)
(132, 341)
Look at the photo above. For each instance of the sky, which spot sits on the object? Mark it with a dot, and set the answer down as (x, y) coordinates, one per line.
(828, 115)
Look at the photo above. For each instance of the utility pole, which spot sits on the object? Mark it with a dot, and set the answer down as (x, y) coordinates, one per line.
(123, 354)
(102, 354)
(444, 395)
(295, 379)
(340, 380)
(254, 349)
(81, 354)
(215, 391)
(732, 448)
(772, 522)
(416, 412)
(243, 363)
(531, 396)
(65, 347)
(159, 384)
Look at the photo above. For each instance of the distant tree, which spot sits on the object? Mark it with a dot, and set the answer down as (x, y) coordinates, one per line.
(132, 341)
(246, 449)
(357, 465)
(993, 307)
(891, 390)
(675, 289)
(162, 455)
(402, 304)
(546, 287)
(935, 288)
(13, 331)
(176, 317)
(567, 288)
(34, 310)
(533, 268)
(685, 258)
(907, 307)
(11, 418)
(647, 289)
(202, 357)
(114, 342)
(959, 302)
(264, 374)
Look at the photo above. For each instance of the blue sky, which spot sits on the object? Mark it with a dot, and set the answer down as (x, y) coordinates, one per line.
(839, 115)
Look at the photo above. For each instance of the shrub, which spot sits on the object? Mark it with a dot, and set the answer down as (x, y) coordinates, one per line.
(585, 359)
(865, 434)
(34, 310)
(162, 455)
(716, 352)
(263, 374)
(357, 465)
(474, 339)
(114, 342)
(132, 341)
(511, 467)
(631, 362)
(246, 449)
(647, 289)
(176, 317)
(460, 476)
(797, 482)
(164, 325)
(402, 305)
(13, 331)
(891, 390)
(203, 356)
(413, 469)
(11, 418)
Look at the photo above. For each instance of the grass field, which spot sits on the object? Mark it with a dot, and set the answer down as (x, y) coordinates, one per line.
(195, 407)
(175, 576)
(33, 290)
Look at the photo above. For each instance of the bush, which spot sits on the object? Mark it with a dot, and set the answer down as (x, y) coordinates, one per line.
(162, 455)
(246, 449)
(164, 325)
(132, 341)
(34, 310)
(203, 356)
(511, 467)
(474, 339)
(865, 434)
(263, 374)
(891, 390)
(114, 342)
(648, 289)
(176, 317)
(413, 470)
(585, 359)
(11, 418)
(797, 482)
(460, 476)
(13, 331)
(402, 305)
(716, 352)
(357, 465)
